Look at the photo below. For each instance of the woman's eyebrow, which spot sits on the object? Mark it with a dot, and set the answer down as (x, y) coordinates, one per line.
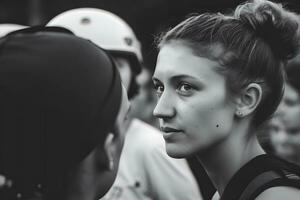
(176, 77)
(183, 76)
(155, 79)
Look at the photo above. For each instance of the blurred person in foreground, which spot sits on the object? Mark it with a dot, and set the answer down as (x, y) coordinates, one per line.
(146, 171)
(63, 113)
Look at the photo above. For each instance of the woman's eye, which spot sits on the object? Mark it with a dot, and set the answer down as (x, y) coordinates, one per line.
(184, 88)
(159, 89)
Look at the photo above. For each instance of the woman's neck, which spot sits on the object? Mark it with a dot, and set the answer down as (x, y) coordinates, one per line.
(226, 158)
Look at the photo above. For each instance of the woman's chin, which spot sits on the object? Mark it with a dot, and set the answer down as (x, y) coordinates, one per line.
(175, 151)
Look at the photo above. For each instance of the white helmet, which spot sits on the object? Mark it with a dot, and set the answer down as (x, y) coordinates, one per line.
(105, 29)
(7, 28)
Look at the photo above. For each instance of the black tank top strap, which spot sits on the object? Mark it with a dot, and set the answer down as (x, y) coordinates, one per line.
(260, 173)
(268, 180)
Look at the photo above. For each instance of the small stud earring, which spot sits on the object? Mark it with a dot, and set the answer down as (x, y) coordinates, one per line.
(239, 114)
(111, 165)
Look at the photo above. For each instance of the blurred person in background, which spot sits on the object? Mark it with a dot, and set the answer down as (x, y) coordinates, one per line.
(284, 128)
(218, 79)
(63, 116)
(146, 171)
(145, 101)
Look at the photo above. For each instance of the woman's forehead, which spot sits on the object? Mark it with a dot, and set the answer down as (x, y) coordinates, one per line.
(176, 59)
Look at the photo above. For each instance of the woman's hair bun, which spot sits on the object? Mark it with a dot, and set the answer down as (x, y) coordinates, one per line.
(278, 27)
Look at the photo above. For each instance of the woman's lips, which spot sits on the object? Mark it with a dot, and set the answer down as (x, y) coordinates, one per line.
(168, 129)
(169, 133)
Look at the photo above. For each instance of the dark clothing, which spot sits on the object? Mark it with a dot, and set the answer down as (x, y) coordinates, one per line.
(204, 183)
(289, 176)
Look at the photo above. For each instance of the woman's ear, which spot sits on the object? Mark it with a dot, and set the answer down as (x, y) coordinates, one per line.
(248, 100)
(109, 150)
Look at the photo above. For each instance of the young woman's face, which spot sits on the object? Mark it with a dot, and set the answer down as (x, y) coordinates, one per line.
(122, 121)
(124, 69)
(89, 180)
(105, 181)
(193, 106)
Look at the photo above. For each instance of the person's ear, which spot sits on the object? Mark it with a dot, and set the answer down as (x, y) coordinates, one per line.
(109, 150)
(248, 100)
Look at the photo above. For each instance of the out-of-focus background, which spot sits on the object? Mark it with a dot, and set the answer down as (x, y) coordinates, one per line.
(146, 17)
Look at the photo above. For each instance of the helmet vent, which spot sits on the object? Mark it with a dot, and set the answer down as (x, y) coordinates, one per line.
(85, 20)
(128, 41)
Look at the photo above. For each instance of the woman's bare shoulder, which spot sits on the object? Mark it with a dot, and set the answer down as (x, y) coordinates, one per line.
(279, 193)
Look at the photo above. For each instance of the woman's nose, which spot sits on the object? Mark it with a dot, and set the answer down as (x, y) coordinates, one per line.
(164, 107)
